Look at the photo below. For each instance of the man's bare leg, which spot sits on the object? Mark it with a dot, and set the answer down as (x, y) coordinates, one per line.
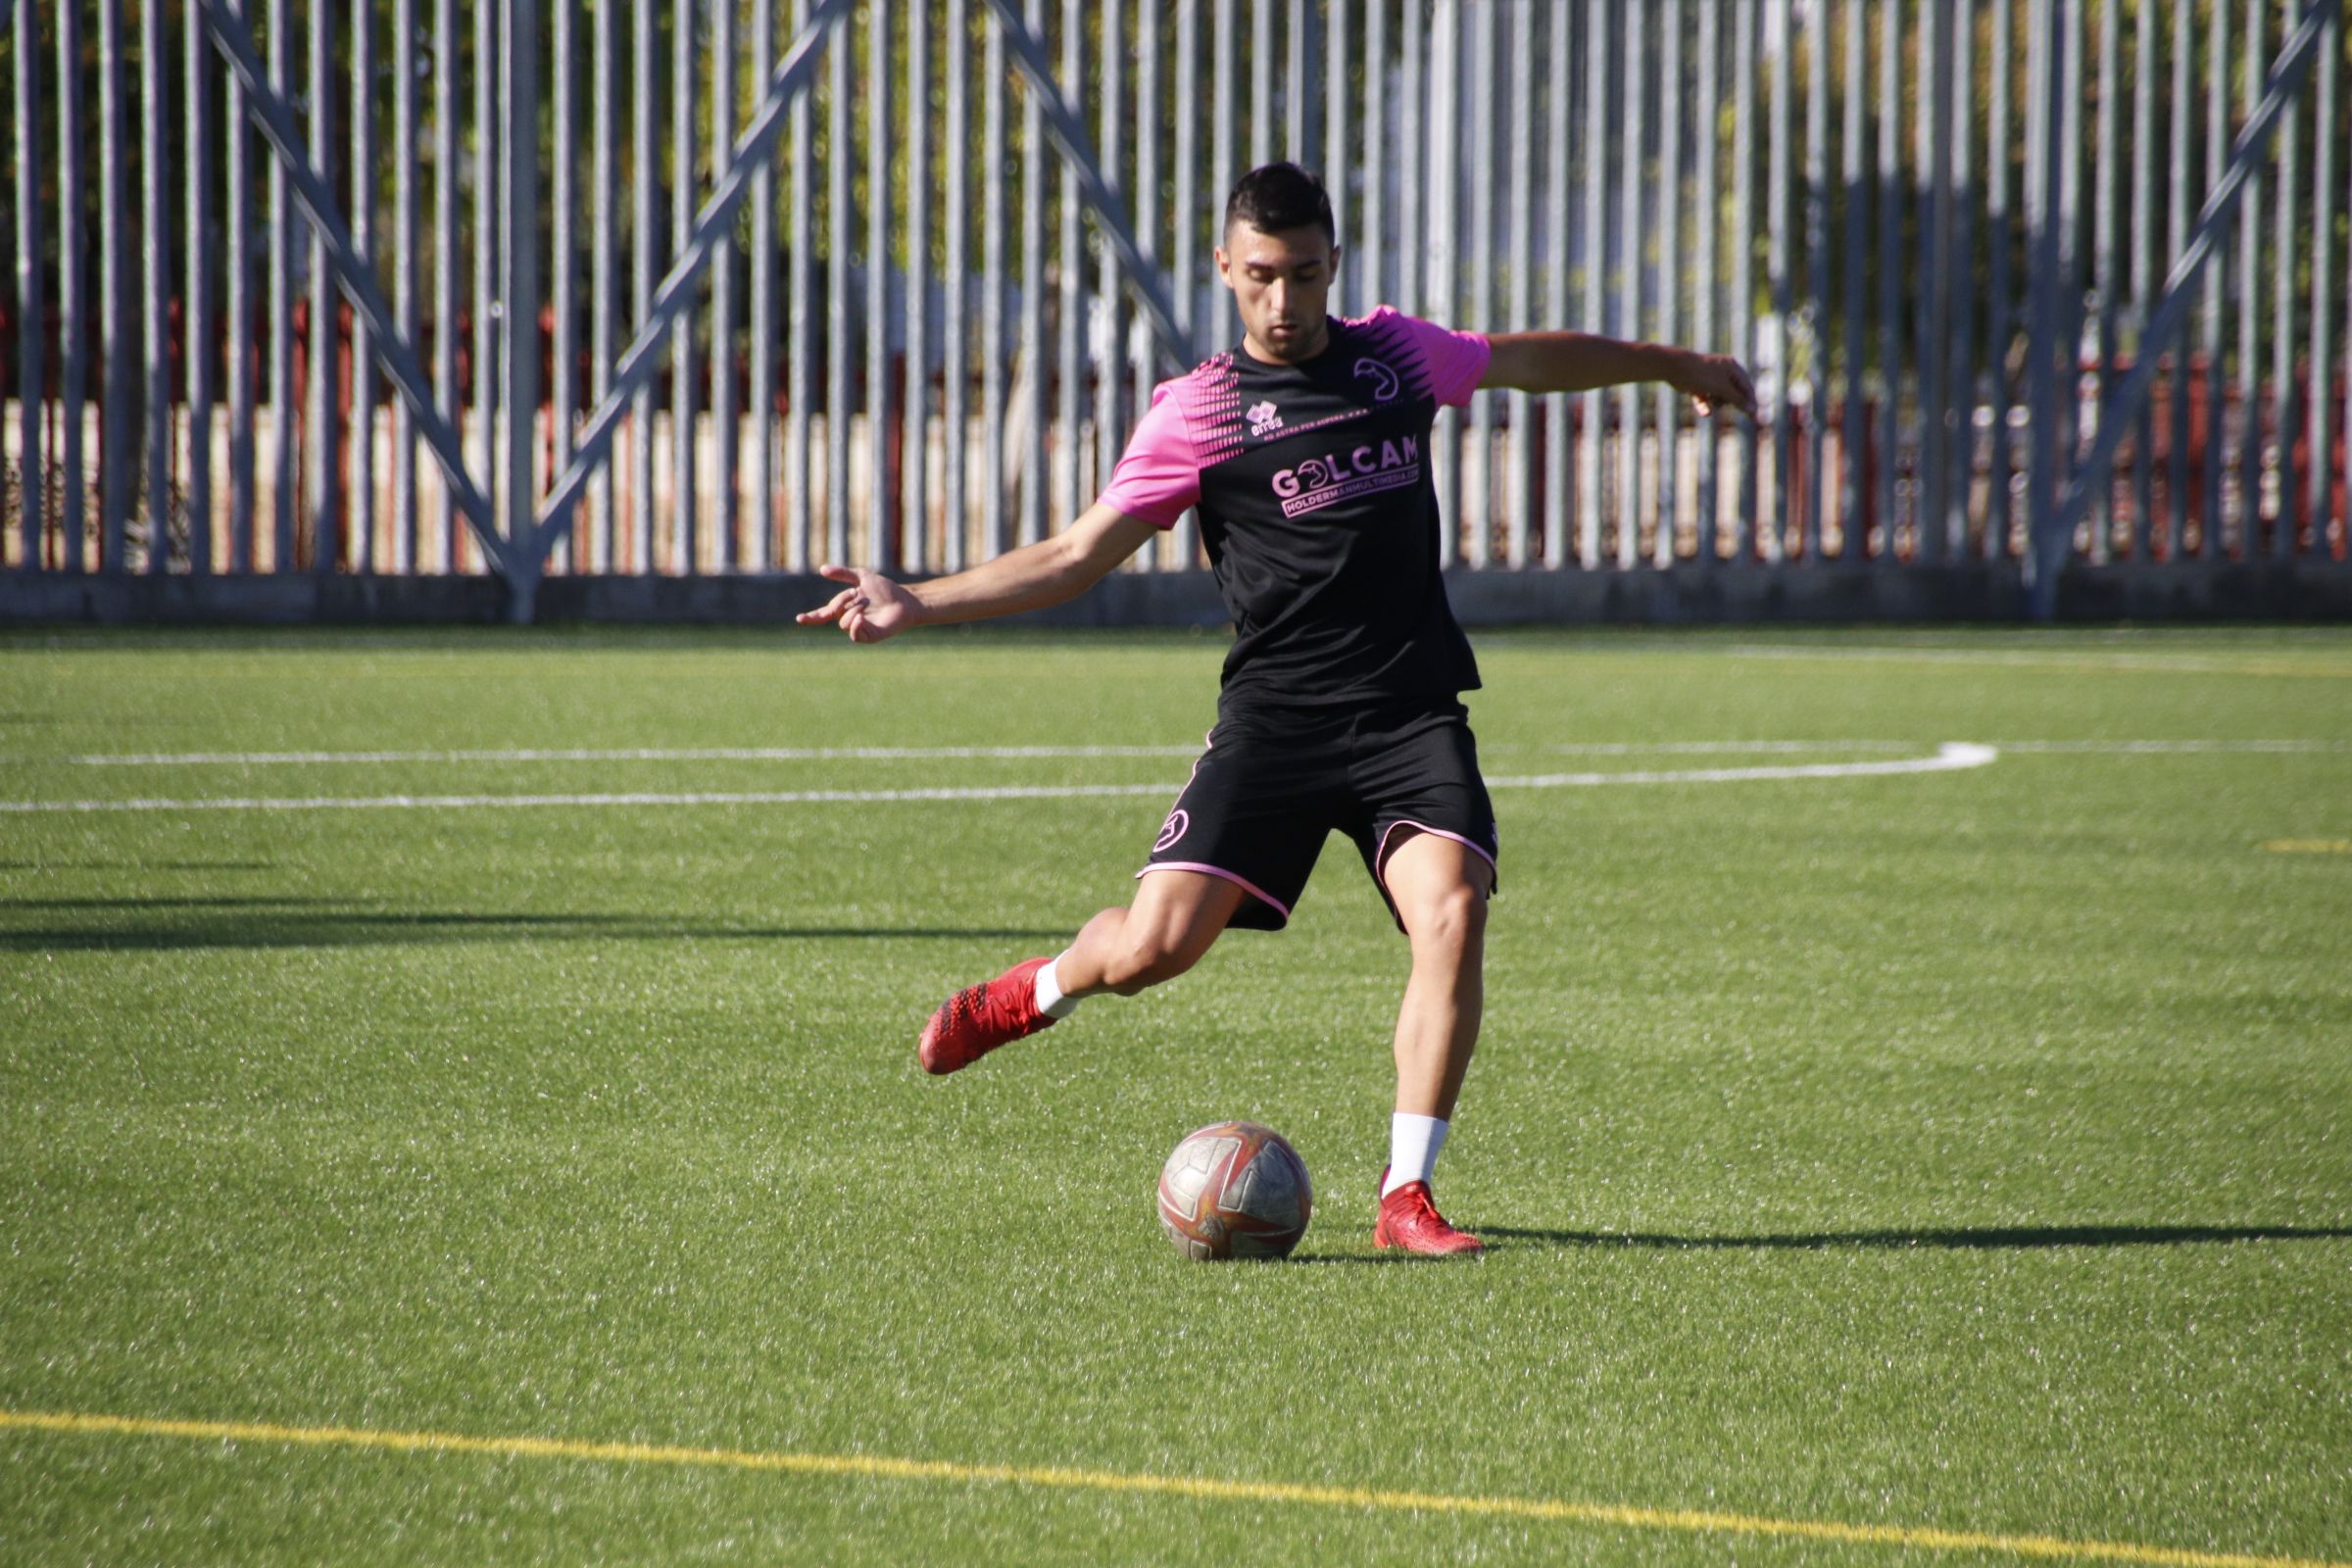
(1440, 888)
(1175, 917)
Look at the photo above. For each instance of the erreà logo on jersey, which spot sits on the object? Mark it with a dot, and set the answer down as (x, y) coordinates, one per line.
(1345, 472)
(1265, 419)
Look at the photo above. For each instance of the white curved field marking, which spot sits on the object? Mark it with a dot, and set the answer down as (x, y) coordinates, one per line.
(893, 753)
(1948, 758)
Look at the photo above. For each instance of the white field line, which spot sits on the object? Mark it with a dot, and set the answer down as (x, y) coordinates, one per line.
(887, 754)
(2256, 664)
(630, 754)
(1948, 758)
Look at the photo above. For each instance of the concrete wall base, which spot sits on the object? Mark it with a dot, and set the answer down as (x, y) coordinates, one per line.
(1959, 593)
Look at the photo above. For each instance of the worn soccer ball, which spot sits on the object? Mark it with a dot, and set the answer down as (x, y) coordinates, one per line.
(1234, 1190)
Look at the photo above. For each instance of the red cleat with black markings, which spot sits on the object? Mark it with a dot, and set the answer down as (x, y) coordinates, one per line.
(977, 1019)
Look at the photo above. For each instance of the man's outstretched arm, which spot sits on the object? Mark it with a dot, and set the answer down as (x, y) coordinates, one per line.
(1578, 361)
(874, 606)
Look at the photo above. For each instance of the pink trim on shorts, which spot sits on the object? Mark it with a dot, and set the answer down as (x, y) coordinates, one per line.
(1241, 882)
(1380, 857)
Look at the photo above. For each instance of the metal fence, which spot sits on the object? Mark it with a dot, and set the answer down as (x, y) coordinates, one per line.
(778, 281)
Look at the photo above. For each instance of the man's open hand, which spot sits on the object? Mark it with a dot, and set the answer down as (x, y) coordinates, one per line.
(1716, 380)
(869, 609)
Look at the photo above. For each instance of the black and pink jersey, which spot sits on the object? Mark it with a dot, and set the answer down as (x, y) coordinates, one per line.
(1317, 507)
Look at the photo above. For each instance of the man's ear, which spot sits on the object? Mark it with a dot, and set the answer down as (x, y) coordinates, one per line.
(1224, 262)
(1335, 261)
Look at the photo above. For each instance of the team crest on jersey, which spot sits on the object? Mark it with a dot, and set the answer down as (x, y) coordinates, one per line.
(1385, 385)
(1265, 419)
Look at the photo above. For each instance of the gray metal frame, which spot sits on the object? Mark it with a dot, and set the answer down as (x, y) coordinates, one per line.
(1759, 179)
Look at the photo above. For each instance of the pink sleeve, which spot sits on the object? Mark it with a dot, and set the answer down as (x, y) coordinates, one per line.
(1456, 361)
(1157, 476)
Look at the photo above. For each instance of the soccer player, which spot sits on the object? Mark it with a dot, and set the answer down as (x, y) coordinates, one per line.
(1306, 450)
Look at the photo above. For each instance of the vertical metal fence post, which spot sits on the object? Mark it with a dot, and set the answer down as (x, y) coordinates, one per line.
(1261, 85)
(406, 282)
(116, 353)
(1443, 289)
(725, 434)
(1958, 399)
(197, 281)
(1774, 539)
(994, 535)
(487, 154)
(1070, 313)
(1591, 407)
(914, 441)
(1671, 267)
(1478, 485)
(1372, 233)
(1742, 280)
(799, 321)
(1632, 265)
(1030, 416)
(1185, 230)
(2177, 220)
(2212, 533)
(1557, 475)
(954, 337)
(1854, 464)
(2319, 501)
(2285, 241)
(32, 371)
(1523, 267)
(153, 328)
(1335, 157)
(685, 510)
(837, 295)
(881, 498)
(1410, 145)
(577, 544)
(2254, 59)
(1706, 287)
(73, 306)
(1931, 184)
(1817, 280)
(521, 302)
(643, 484)
(2000, 236)
(1892, 273)
(1110, 351)
(1224, 168)
(365, 172)
(321, 503)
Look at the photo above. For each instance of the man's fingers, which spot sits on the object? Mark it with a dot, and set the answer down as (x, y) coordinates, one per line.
(838, 573)
(831, 610)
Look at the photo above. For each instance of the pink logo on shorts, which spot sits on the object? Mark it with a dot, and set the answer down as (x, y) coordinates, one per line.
(1172, 829)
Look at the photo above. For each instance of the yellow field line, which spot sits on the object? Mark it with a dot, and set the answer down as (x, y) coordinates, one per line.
(2307, 845)
(1369, 1499)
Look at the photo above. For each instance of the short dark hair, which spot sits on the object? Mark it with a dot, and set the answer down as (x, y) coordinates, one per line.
(1273, 197)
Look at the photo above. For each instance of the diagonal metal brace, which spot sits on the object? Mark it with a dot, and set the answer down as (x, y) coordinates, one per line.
(1069, 136)
(355, 274)
(2120, 409)
(746, 162)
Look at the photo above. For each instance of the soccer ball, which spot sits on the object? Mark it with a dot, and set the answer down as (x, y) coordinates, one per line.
(1234, 1190)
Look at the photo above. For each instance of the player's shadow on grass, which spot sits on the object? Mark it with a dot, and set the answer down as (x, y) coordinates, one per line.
(1990, 1238)
(188, 923)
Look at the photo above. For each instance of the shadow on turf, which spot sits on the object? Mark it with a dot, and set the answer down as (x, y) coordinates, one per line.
(1995, 1237)
(314, 923)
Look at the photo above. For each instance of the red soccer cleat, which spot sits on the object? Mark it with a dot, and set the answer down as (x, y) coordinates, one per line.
(977, 1019)
(1409, 1220)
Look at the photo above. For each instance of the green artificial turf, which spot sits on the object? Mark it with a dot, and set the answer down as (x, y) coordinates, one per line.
(1964, 1152)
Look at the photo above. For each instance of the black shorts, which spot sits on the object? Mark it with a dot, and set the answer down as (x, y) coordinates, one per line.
(1272, 785)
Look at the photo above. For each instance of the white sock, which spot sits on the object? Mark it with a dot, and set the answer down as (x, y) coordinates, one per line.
(1413, 1145)
(1050, 999)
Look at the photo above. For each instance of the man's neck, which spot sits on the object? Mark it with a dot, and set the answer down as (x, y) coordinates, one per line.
(1266, 356)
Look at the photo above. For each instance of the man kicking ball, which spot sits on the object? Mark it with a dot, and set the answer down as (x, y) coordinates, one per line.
(1307, 451)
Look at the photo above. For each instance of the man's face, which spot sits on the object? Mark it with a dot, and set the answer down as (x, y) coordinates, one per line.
(1280, 281)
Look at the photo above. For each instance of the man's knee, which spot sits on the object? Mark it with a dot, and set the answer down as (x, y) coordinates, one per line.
(1447, 920)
